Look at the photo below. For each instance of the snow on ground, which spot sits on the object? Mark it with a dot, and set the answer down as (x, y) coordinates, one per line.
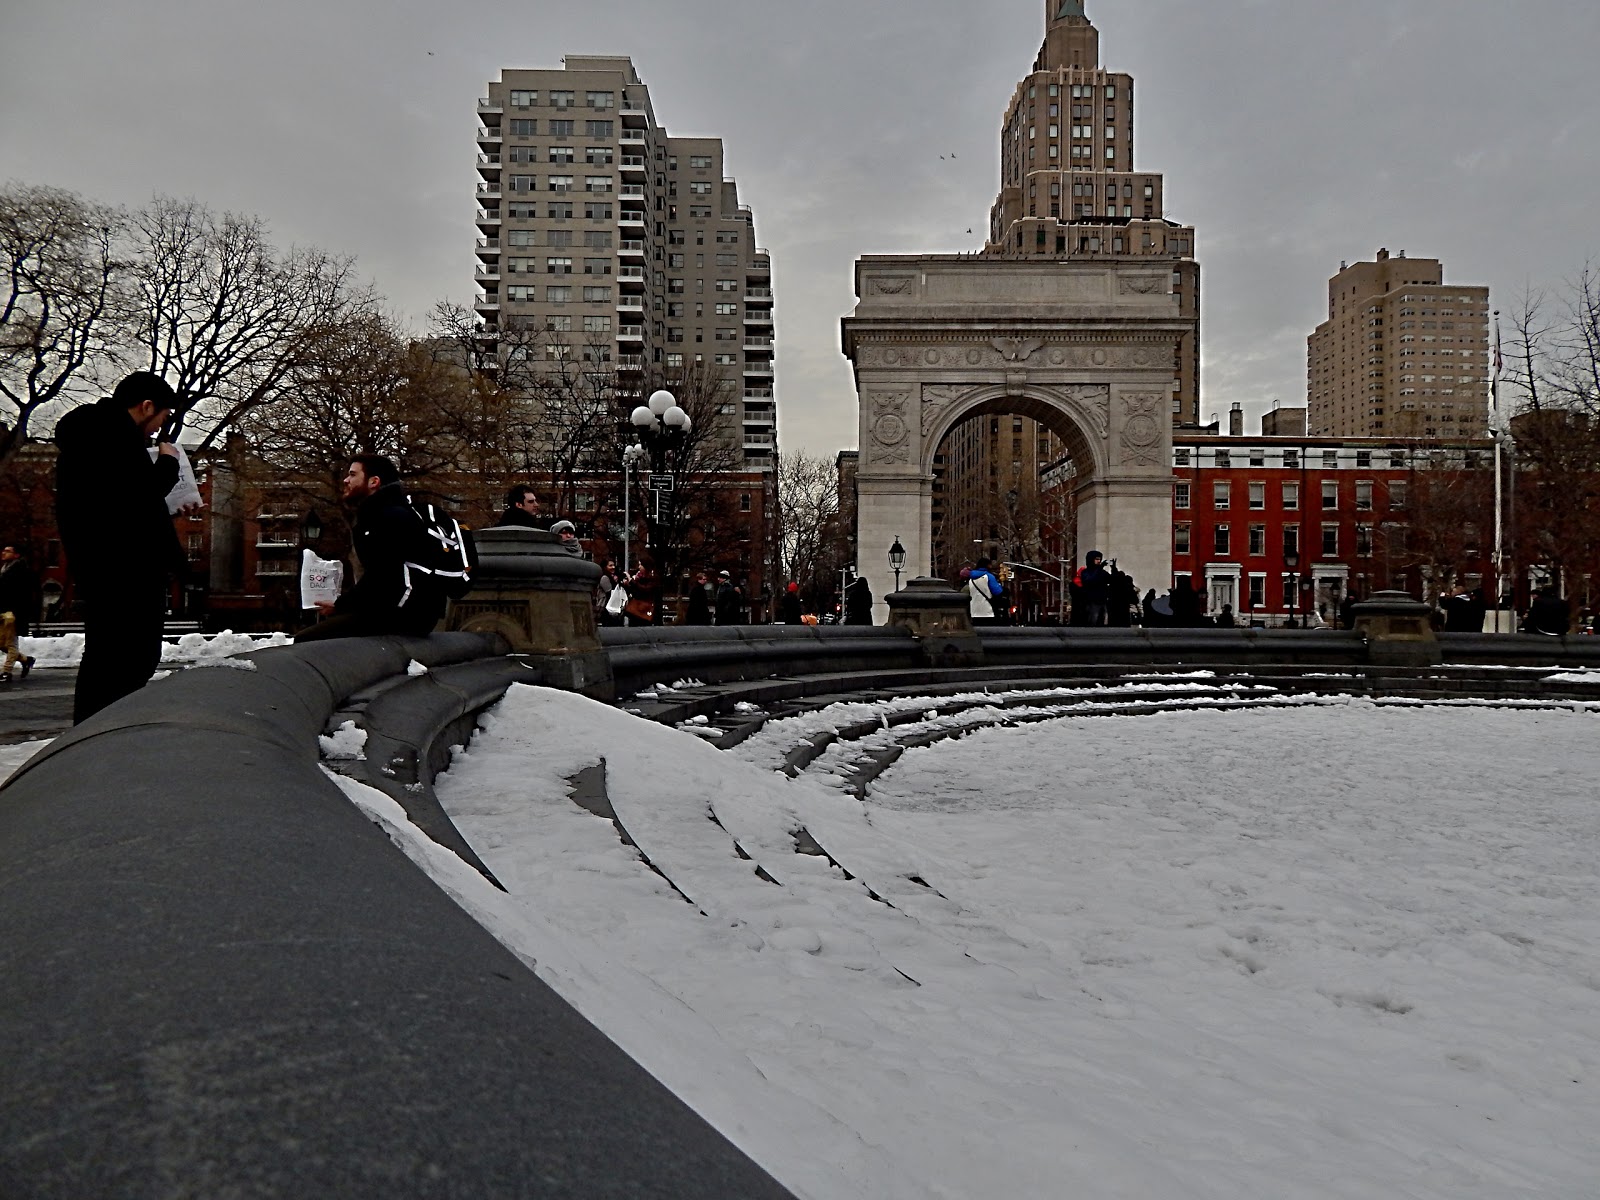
(13, 756)
(67, 649)
(1332, 950)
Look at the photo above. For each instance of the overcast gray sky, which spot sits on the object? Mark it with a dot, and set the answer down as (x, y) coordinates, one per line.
(1292, 133)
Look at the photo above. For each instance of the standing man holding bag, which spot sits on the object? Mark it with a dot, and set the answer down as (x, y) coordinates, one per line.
(111, 507)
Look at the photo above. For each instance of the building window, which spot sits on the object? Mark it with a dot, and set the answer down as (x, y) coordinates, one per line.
(1258, 539)
(558, 323)
(700, 162)
(522, 183)
(558, 266)
(1224, 460)
(1291, 539)
(1221, 494)
(561, 183)
(520, 237)
(1291, 599)
(597, 211)
(600, 99)
(1330, 459)
(1363, 458)
(1180, 539)
(561, 237)
(1180, 495)
(560, 154)
(597, 183)
(598, 156)
(597, 295)
(1220, 540)
(1258, 495)
(1398, 490)
(1330, 494)
(700, 187)
(560, 211)
(597, 266)
(1364, 541)
(1330, 541)
(699, 212)
(563, 99)
(523, 99)
(1180, 458)
(558, 295)
(1291, 459)
(521, 293)
(561, 129)
(723, 360)
(597, 239)
(597, 129)
(1258, 591)
(1364, 495)
(1258, 458)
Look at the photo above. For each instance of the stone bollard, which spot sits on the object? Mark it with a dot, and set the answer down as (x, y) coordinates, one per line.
(540, 598)
(1398, 630)
(940, 618)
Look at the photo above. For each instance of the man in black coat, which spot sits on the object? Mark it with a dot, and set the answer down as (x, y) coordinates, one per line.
(522, 508)
(387, 599)
(111, 509)
(19, 604)
(730, 605)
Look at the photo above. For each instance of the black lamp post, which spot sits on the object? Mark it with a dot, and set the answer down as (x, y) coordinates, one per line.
(1291, 562)
(311, 527)
(662, 427)
(1334, 588)
(897, 560)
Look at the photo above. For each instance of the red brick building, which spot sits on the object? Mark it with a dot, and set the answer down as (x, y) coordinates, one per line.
(1276, 526)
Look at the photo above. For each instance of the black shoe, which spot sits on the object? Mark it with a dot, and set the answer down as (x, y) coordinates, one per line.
(27, 665)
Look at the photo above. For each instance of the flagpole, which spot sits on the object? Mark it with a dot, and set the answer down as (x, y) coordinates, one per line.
(1501, 430)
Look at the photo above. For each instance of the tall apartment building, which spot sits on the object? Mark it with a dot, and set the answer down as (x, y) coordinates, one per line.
(1068, 188)
(616, 242)
(1402, 354)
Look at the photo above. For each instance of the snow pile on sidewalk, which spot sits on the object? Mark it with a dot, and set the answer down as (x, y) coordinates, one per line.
(67, 650)
(1326, 951)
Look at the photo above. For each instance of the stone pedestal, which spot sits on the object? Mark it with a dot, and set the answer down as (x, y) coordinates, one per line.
(1398, 630)
(940, 618)
(539, 598)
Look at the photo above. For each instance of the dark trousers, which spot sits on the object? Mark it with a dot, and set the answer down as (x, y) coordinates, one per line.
(121, 640)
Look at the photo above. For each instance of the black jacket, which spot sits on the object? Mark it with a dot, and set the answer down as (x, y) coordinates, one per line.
(19, 594)
(111, 500)
(789, 606)
(388, 533)
(518, 516)
(730, 605)
(858, 602)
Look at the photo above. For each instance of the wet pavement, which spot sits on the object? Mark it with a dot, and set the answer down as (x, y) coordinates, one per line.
(39, 706)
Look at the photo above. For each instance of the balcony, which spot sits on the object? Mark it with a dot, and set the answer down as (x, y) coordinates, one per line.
(631, 248)
(486, 304)
(632, 112)
(630, 362)
(631, 219)
(757, 295)
(487, 273)
(631, 304)
(634, 164)
(632, 137)
(759, 441)
(756, 344)
(489, 219)
(633, 190)
(758, 316)
(631, 274)
(486, 105)
(760, 369)
(488, 247)
(489, 160)
(489, 190)
(756, 395)
(630, 333)
(761, 420)
(491, 134)
(760, 267)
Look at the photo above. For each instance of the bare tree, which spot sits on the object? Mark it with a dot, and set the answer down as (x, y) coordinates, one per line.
(60, 314)
(808, 502)
(223, 315)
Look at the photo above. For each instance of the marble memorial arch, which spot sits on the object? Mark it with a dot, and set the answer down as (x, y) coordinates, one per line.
(1084, 347)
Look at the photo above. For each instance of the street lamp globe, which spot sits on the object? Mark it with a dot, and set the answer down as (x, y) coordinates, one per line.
(661, 400)
(643, 417)
(676, 418)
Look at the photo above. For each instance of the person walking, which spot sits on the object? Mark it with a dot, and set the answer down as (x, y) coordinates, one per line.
(730, 605)
(698, 610)
(984, 593)
(111, 510)
(19, 604)
(1094, 588)
(388, 534)
(789, 605)
(858, 602)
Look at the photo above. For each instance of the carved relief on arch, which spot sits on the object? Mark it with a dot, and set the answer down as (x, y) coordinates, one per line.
(890, 430)
(1141, 430)
(936, 398)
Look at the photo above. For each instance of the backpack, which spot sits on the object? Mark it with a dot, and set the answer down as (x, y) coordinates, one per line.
(442, 562)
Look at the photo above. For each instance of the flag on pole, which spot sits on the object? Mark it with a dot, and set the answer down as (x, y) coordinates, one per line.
(1498, 425)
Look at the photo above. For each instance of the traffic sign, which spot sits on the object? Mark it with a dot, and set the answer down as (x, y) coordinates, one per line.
(661, 483)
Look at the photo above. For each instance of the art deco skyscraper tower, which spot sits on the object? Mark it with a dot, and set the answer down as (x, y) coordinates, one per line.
(1068, 188)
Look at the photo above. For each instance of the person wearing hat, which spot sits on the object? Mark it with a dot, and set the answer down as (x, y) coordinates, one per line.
(111, 509)
(789, 606)
(730, 605)
(568, 533)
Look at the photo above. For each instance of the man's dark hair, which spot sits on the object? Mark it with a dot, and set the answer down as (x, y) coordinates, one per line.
(515, 495)
(379, 467)
(982, 563)
(145, 385)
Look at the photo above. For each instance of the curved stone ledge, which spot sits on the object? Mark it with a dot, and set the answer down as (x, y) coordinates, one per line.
(218, 977)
